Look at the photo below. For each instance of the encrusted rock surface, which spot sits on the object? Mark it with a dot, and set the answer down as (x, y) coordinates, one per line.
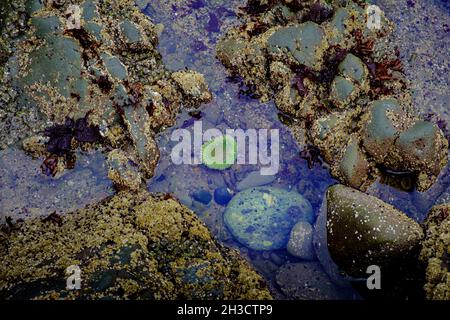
(435, 252)
(342, 85)
(82, 75)
(132, 245)
(123, 171)
(92, 60)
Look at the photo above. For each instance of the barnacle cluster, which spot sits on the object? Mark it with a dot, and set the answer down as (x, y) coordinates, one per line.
(131, 246)
(340, 80)
(92, 64)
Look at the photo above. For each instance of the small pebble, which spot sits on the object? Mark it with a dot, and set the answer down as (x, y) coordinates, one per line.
(222, 196)
(202, 196)
(300, 241)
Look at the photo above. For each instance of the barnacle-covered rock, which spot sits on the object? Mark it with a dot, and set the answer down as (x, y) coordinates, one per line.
(114, 66)
(386, 119)
(342, 91)
(350, 83)
(396, 139)
(35, 145)
(363, 230)
(261, 218)
(325, 65)
(247, 59)
(123, 171)
(435, 252)
(330, 134)
(96, 58)
(193, 85)
(420, 149)
(131, 246)
(132, 37)
(137, 122)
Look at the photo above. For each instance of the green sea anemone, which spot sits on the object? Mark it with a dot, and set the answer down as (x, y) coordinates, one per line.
(220, 153)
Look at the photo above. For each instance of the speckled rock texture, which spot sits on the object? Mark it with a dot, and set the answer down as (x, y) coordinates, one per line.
(435, 252)
(339, 83)
(261, 218)
(96, 61)
(129, 246)
(300, 241)
(363, 230)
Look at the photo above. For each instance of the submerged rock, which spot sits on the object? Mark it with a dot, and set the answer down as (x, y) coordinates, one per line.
(223, 195)
(254, 179)
(202, 196)
(363, 230)
(401, 143)
(27, 191)
(300, 241)
(435, 253)
(307, 281)
(261, 218)
(343, 82)
(132, 246)
(193, 86)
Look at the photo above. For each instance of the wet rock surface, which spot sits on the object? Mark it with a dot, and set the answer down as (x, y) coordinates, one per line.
(123, 171)
(261, 218)
(435, 252)
(95, 62)
(345, 84)
(300, 241)
(306, 281)
(363, 230)
(189, 42)
(132, 245)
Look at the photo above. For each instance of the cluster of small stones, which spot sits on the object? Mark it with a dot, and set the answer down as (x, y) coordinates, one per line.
(133, 245)
(340, 83)
(95, 59)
